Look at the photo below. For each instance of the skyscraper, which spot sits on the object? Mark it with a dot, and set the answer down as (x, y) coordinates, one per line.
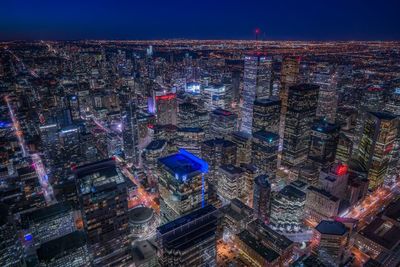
(376, 143)
(130, 132)
(324, 140)
(262, 198)
(103, 202)
(301, 108)
(266, 115)
(287, 209)
(257, 85)
(181, 185)
(326, 78)
(189, 240)
(265, 151)
(222, 123)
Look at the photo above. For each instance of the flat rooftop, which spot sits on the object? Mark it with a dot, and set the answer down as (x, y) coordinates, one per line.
(182, 164)
(266, 136)
(331, 228)
(392, 212)
(268, 254)
(382, 232)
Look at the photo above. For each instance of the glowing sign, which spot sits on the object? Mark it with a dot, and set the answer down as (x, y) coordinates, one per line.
(166, 97)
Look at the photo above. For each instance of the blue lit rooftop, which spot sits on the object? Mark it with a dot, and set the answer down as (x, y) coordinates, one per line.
(184, 165)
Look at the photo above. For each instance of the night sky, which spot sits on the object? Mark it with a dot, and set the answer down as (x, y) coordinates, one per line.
(217, 19)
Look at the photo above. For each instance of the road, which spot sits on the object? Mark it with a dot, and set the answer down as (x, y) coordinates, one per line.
(47, 189)
(372, 204)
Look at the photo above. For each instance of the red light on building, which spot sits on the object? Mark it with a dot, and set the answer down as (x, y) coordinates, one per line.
(388, 149)
(341, 169)
(166, 97)
(150, 126)
(73, 167)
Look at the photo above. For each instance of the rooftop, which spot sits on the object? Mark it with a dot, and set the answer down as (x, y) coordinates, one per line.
(223, 112)
(266, 136)
(392, 212)
(59, 246)
(219, 142)
(331, 228)
(140, 215)
(267, 101)
(324, 193)
(186, 219)
(156, 144)
(292, 192)
(184, 164)
(268, 254)
(384, 115)
(382, 232)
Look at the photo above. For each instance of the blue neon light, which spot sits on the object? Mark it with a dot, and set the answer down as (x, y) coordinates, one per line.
(28, 237)
(203, 164)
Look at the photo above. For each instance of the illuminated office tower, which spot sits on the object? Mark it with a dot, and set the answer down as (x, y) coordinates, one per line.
(181, 184)
(334, 179)
(130, 133)
(326, 78)
(189, 240)
(287, 209)
(222, 123)
(320, 205)
(243, 143)
(250, 173)
(372, 99)
(190, 139)
(333, 240)
(74, 107)
(230, 182)
(344, 149)
(289, 77)
(324, 140)
(188, 115)
(216, 96)
(377, 141)
(302, 105)
(217, 152)
(265, 151)
(10, 247)
(266, 115)
(102, 193)
(165, 106)
(68, 250)
(262, 198)
(257, 84)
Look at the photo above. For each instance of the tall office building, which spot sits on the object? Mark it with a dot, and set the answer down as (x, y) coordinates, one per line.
(164, 104)
(265, 151)
(257, 84)
(301, 108)
(333, 239)
(216, 96)
(217, 152)
(181, 185)
(287, 209)
(344, 149)
(262, 198)
(334, 179)
(266, 115)
(222, 123)
(230, 182)
(377, 141)
(326, 78)
(243, 143)
(130, 132)
(320, 205)
(289, 77)
(102, 193)
(324, 140)
(189, 240)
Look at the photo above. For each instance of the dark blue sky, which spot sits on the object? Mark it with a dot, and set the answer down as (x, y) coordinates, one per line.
(218, 19)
